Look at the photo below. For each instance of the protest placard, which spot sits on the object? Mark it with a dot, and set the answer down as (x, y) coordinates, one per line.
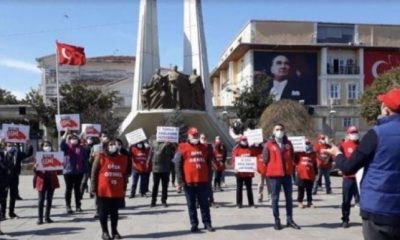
(49, 161)
(245, 164)
(299, 143)
(167, 134)
(91, 130)
(15, 133)
(135, 136)
(67, 121)
(254, 136)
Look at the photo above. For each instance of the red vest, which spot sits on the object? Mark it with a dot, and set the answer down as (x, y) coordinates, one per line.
(324, 161)
(111, 182)
(242, 152)
(41, 177)
(195, 169)
(306, 165)
(219, 159)
(139, 159)
(280, 162)
(349, 147)
(261, 168)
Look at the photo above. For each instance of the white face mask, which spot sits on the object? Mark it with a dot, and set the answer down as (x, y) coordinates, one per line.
(118, 147)
(112, 149)
(279, 134)
(89, 141)
(322, 141)
(243, 143)
(74, 141)
(140, 145)
(353, 136)
(47, 149)
(194, 140)
(9, 149)
(146, 145)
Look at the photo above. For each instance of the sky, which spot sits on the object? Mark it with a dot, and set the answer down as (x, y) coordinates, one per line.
(29, 28)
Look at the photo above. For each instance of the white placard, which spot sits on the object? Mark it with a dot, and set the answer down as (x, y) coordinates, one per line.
(359, 176)
(91, 130)
(70, 121)
(15, 133)
(167, 134)
(49, 161)
(254, 136)
(299, 143)
(245, 164)
(135, 136)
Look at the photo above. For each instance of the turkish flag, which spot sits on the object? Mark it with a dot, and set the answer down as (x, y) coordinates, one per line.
(377, 63)
(70, 55)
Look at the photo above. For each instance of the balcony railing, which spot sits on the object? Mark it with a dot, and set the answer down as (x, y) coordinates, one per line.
(344, 70)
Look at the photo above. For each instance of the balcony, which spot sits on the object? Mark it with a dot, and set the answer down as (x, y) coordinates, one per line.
(343, 70)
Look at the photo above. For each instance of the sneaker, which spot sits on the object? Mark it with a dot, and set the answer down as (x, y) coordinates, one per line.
(252, 206)
(292, 224)
(79, 210)
(39, 222)
(277, 225)
(239, 206)
(194, 229)
(165, 205)
(13, 215)
(49, 220)
(329, 192)
(221, 190)
(132, 195)
(310, 205)
(105, 236)
(209, 228)
(345, 224)
(152, 205)
(19, 198)
(144, 195)
(301, 205)
(116, 236)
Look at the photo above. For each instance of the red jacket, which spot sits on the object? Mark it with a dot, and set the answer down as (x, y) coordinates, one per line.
(48, 178)
(218, 160)
(348, 147)
(306, 165)
(111, 182)
(140, 159)
(261, 167)
(194, 162)
(280, 162)
(242, 152)
(324, 160)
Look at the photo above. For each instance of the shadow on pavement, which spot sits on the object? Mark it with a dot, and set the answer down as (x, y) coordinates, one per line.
(47, 231)
(246, 226)
(162, 234)
(330, 225)
(163, 211)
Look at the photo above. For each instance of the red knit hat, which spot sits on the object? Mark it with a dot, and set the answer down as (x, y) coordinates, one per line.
(391, 99)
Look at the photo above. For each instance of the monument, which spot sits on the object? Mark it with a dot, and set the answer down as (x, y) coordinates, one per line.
(156, 96)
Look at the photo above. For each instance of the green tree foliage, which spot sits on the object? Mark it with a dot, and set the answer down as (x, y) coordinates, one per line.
(6, 97)
(93, 105)
(370, 107)
(252, 101)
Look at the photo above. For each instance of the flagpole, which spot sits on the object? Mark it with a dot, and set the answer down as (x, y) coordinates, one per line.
(58, 96)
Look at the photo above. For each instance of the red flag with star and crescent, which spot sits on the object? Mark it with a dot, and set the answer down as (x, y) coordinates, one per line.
(377, 63)
(70, 54)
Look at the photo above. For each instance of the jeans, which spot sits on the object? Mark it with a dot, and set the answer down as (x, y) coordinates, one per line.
(164, 178)
(373, 231)
(48, 195)
(73, 181)
(349, 188)
(276, 184)
(239, 190)
(144, 182)
(200, 193)
(325, 173)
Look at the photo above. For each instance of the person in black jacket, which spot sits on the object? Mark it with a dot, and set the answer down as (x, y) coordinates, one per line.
(4, 175)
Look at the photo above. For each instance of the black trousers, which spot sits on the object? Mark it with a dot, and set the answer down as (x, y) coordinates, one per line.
(13, 190)
(48, 196)
(373, 231)
(3, 200)
(305, 186)
(108, 207)
(164, 178)
(349, 189)
(217, 179)
(73, 181)
(172, 171)
(199, 194)
(239, 190)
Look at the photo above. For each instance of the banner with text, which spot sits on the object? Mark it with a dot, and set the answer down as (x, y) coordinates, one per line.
(67, 121)
(245, 164)
(135, 136)
(15, 133)
(49, 161)
(91, 130)
(299, 143)
(254, 136)
(167, 134)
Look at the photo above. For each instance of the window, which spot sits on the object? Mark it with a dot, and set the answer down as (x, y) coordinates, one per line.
(347, 122)
(334, 91)
(335, 33)
(352, 91)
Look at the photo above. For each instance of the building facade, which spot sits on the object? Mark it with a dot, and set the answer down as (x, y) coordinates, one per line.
(328, 65)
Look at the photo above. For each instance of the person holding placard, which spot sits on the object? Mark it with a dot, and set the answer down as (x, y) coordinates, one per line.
(108, 184)
(141, 168)
(75, 166)
(306, 171)
(278, 155)
(243, 150)
(192, 174)
(45, 183)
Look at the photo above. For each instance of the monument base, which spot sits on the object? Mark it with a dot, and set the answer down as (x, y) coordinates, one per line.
(150, 119)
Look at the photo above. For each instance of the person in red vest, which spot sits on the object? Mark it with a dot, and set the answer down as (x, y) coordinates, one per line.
(192, 174)
(306, 171)
(348, 146)
(243, 150)
(324, 161)
(108, 184)
(45, 183)
(278, 156)
(210, 159)
(141, 165)
(218, 163)
(261, 169)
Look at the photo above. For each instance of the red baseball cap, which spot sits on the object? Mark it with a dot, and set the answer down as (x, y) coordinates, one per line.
(243, 138)
(192, 131)
(391, 99)
(352, 129)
